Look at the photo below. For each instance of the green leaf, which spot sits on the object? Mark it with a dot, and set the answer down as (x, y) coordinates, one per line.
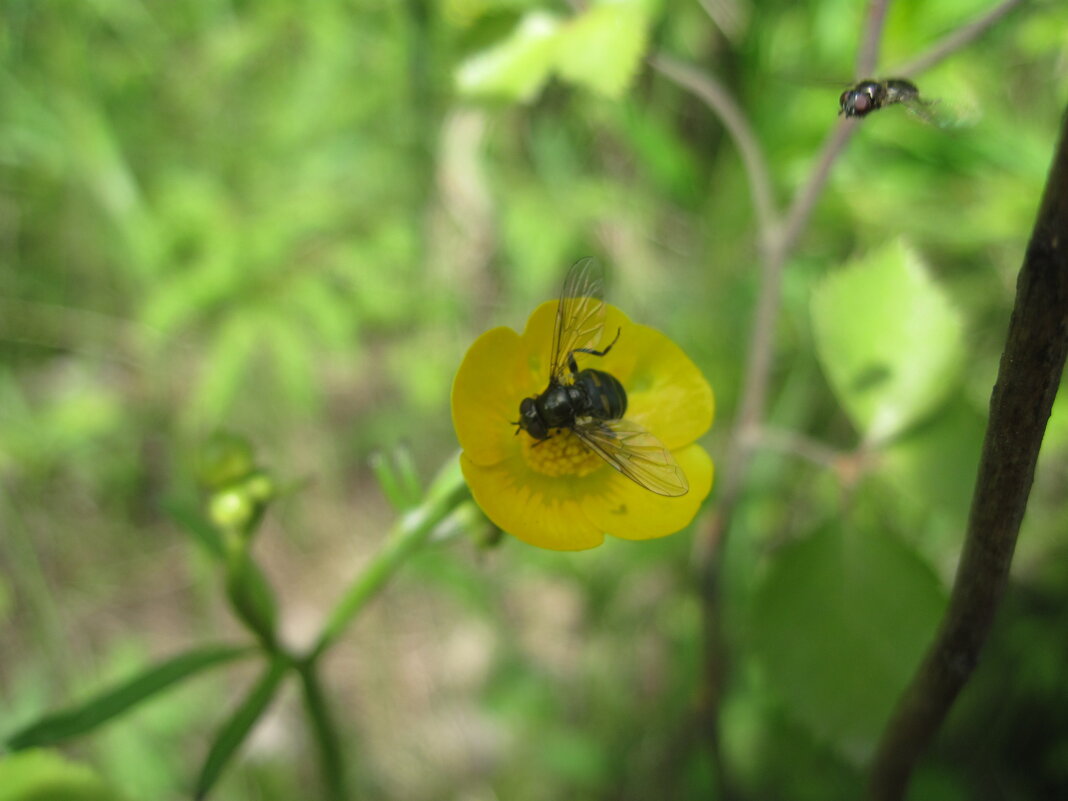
(601, 49)
(888, 339)
(516, 68)
(292, 357)
(85, 717)
(933, 468)
(331, 756)
(240, 723)
(839, 623)
(187, 514)
(251, 596)
(47, 776)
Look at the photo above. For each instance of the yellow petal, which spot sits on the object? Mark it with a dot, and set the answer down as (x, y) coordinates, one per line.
(486, 393)
(538, 342)
(624, 509)
(539, 510)
(666, 393)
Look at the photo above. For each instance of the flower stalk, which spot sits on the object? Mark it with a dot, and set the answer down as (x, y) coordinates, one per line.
(410, 532)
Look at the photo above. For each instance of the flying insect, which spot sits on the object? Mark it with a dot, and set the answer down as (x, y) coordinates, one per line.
(870, 95)
(591, 403)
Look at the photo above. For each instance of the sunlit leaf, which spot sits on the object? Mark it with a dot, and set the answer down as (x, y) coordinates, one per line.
(47, 776)
(516, 68)
(889, 340)
(601, 49)
(839, 624)
(84, 717)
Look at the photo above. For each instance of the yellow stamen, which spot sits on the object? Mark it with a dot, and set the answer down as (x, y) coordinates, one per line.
(562, 454)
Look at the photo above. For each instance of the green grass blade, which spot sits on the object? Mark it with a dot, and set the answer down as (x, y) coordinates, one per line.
(87, 716)
(326, 734)
(236, 729)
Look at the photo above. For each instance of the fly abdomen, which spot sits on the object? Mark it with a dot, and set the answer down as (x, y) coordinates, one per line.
(603, 396)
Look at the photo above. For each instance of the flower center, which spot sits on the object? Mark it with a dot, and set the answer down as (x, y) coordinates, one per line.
(562, 454)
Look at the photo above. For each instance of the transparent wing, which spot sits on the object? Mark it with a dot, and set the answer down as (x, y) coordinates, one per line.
(939, 114)
(579, 315)
(635, 453)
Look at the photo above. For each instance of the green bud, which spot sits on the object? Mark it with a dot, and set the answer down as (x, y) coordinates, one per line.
(224, 459)
(231, 508)
(260, 487)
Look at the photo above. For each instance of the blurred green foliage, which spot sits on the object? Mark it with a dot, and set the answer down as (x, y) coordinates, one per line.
(291, 220)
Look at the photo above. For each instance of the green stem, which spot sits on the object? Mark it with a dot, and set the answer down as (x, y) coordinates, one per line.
(408, 534)
(325, 732)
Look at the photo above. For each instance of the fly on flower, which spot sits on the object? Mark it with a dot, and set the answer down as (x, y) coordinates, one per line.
(591, 403)
(610, 412)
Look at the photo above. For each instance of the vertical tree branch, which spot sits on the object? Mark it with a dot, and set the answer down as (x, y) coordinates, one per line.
(1030, 372)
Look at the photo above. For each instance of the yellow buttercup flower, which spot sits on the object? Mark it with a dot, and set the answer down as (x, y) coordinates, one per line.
(557, 493)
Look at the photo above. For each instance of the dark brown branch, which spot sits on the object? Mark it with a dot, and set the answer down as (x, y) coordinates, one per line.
(1030, 372)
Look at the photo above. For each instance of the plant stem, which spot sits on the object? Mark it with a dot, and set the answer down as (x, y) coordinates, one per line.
(411, 531)
(325, 732)
(717, 98)
(955, 40)
(1030, 371)
(868, 52)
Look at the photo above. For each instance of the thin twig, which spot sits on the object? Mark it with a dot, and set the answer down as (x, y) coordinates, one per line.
(868, 52)
(762, 341)
(954, 41)
(727, 15)
(709, 544)
(1030, 372)
(791, 442)
(805, 201)
(717, 98)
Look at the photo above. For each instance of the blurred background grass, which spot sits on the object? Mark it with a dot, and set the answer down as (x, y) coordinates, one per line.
(283, 219)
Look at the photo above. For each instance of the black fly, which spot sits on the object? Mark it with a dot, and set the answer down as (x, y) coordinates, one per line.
(589, 402)
(871, 95)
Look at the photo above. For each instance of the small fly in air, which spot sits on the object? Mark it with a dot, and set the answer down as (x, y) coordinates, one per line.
(871, 95)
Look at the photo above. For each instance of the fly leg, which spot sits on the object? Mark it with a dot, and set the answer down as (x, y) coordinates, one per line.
(573, 365)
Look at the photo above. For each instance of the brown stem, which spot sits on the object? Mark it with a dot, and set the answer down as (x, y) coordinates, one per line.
(954, 41)
(1030, 372)
(717, 98)
(868, 52)
(759, 358)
